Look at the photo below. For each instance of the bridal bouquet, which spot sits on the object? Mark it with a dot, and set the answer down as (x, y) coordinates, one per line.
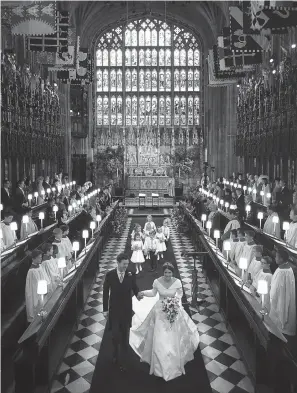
(170, 307)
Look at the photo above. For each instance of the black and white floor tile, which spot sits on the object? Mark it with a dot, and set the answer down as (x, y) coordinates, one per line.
(226, 370)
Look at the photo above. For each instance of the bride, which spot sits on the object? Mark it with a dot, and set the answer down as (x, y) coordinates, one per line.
(167, 339)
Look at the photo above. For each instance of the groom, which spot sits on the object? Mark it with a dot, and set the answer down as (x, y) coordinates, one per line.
(117, 305)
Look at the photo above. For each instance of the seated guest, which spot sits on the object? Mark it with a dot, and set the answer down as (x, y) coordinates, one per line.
(263, 274)
(49, 213)
(67, 243)
(249, 249)
(46, 183)
(240, 245)
(6, 198)
(270, 225)
(283, 295)
(292, 232)
(232, 224)
(8, 236)
(228, 196)
(255, 265)
(50, 264)
(240, 203)
(35, 274)
(30, 227)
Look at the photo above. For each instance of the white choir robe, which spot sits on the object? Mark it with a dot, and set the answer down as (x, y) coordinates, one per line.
(261, 275)
(27, 229)
(68, 246)
(32, 298)
(248, 252)
(283, 301)
(63, 252)
(52, 270)
(269, 226)
(238, 251)
(254, 268)
(234, 244)
(2, 245)
(166, 232)
(233, 224)
(292, 235)
(8, 236)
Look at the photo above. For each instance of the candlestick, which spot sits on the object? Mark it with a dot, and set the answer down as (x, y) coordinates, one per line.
(85, 235)
(36, 196)
(55, 209)
(29, 199)
(42, 290)
(41, 218)
(203, 219)
(275, 221)
(208, 226)
(75, 247)
(286, 227)
(25, 221)
(260, 217)
(216, 235)
(243, 267)
(92, 226)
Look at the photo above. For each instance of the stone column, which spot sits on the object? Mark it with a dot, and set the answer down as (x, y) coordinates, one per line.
(67, 131)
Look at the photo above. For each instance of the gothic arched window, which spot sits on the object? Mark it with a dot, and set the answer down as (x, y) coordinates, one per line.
(148, 72)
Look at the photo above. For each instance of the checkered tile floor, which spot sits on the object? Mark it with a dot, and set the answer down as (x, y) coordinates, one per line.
(226, 371)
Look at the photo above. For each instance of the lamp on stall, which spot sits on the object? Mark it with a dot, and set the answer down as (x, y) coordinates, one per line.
(275, 220)
(218, 200)
(227, 183)
(70, 208)
(98, 219)
(42, 290)
(74, 182)
(222, 203)
(75, 247)
(250, 190)
(25, 221)
(217, 235)
(61, 266)
(238, 185)
(243, 267)
(244, 189)
(260, 217)
(268, 195)
(14, 227)
(263, 290)
(42, 192)
(67, 185)
(53, 190)
(231, 184)
(254, 191)
(226, 206)
(36, 196)
(48, 191)
(30, 199)
(208, 226)
(41, 218)
(227, 248)
(262, 195)
(55, 209)
(286, 227)
(203, 219)
(92, 227)
(248, 208)
(85, 235)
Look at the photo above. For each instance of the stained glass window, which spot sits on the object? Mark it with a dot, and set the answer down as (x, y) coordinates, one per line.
(148, 72)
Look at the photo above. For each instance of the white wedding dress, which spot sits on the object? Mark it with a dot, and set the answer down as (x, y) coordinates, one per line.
(167, 348)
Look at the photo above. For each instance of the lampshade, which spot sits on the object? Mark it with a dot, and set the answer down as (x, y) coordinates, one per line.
(227, 246)
(29, 197)
(249, 189)
(232, 207)
(243, 263)
(286, 225)
(82, 200)
(216, 234)
(208, 224)
(61, 263)
(13, 226)
(275, 219)
(203, 217)
(70, 183)
(55, 208)
(92, 225)
(227, 182)
(74, 182)
(75, 246)
(260, 216)
(226, 204)
(70, 208)
(48, 190)
(42, 287)
(42, 192)
(244, 187)
(36, 194)
(268, 195)
(262, 193)
(221, 202)
(254, 191)
(262, 287)
(74, 205)
(217, 199)
(25, 219)
(67, 184)
(53, 189)
(248, 208)
(85, 234)
(41, 216)
(238, 185)
(231, 184)
(1, 206)
(98, 218)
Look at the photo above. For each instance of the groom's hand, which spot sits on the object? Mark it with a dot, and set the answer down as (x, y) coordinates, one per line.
(140, 296)
(105, 314)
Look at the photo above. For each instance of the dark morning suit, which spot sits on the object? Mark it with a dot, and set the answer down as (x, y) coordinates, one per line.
(117, 299)
(19, 199)
(6, 199)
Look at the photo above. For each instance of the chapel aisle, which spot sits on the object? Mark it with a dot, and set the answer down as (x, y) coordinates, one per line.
(217, 368)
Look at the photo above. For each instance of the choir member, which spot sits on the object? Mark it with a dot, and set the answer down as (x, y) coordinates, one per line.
(240, 245)
(248, 251)
(263, 274)
(283, 295)
(232, 224)
(50, 265)
(8, 236)
(6, 198)
(234, 241)
(30, 227)
(270, 225)
(67, 244)
(35, 274)
(255, 265)
(58, 234)
(291, 237)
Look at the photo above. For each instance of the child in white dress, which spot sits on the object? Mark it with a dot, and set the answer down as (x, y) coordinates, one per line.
(150, 247)
(165, 230)
(137, 230)
(137, 255)
(161, 246)
(149, 226)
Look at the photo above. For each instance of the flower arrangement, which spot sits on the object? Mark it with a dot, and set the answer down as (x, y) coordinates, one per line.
(170, 307)
(119, 221)
(179, 221)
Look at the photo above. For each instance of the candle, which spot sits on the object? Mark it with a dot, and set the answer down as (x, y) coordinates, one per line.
(243, 267)
(29, 199)
(286, 227)
(41, 218)
(275, 221)
(227, 248)
(262, 195)
(42, 290)
(36, 196)
(92, 226)
(75, 247)
(216, 235)
(55, 209)
(208, 226)
(25, 221)
(85, 235)
(61, 266)
(203, 219)
(48, 191)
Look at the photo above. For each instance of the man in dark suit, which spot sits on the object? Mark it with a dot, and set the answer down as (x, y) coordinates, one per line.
(117, 305)
(240, 203)
(19, 197)
(285, 200)
(6, 199)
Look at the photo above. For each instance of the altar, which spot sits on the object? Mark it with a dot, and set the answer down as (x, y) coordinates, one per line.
(149, 184)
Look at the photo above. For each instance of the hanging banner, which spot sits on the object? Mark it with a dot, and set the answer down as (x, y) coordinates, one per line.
(213, 80)
(277, 19)
(35, 18)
